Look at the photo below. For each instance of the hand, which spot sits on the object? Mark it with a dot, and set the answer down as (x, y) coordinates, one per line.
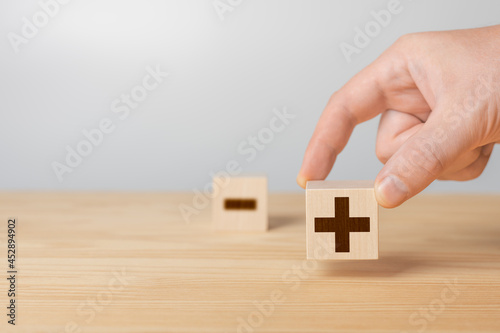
(439, 97)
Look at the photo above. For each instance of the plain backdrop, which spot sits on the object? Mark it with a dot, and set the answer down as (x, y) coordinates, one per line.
(226, 76)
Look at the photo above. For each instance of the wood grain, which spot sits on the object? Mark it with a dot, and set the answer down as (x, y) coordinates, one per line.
(438, 271)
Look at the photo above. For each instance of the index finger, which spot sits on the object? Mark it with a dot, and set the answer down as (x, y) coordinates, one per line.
(360, 99)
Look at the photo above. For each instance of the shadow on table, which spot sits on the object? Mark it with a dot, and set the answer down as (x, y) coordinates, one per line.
(474, 252)
(385, 266)
(280, 221)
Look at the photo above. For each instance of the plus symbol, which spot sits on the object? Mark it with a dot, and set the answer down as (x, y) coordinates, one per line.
(342, 224)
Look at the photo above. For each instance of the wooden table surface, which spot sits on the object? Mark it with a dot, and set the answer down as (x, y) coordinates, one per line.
(115, 262)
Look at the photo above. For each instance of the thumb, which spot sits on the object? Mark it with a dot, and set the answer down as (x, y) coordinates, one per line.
(420, 160)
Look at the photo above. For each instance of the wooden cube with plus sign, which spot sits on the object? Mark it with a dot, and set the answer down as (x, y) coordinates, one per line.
(341, 220)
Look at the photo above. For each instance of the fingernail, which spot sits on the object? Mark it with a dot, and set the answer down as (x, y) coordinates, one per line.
(487, 150)
(391, 191)
(301, 181)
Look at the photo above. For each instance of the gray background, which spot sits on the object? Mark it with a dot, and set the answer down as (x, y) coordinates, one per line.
(225, 78)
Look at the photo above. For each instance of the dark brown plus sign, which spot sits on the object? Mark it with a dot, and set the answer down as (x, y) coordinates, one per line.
(342, 224)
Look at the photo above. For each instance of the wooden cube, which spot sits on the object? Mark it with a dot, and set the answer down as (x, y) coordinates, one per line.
(240, 203)
(341, 220)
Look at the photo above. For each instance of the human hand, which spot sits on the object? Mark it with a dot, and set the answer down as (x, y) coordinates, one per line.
(439, 97)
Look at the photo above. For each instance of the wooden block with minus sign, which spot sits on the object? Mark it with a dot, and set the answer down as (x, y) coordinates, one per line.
(341, 220)
(240, 203)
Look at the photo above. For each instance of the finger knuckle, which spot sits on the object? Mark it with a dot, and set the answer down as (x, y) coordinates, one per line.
(471, 173)
(407, 40)
(426, 160)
